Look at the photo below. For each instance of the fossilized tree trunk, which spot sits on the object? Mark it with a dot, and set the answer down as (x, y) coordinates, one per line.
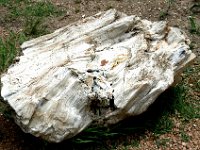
(101, 69)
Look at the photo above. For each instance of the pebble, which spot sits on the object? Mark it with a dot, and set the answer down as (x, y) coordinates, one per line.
(194, 125)
(191, 85)
(183, 143)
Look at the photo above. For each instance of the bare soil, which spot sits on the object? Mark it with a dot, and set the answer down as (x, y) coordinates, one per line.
(11, 136)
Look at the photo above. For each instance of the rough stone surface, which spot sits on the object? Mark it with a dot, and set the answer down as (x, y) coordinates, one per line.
(99, 70)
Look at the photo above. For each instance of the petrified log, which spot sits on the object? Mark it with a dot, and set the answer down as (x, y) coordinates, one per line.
(101, 69)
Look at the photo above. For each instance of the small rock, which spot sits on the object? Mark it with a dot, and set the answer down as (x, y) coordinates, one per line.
(183, 143)
(194, 125)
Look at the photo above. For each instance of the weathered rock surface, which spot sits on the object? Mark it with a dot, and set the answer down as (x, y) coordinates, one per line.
(101, 69)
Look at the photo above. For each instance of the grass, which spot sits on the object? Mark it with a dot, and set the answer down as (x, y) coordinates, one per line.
(195, 8)
(165, 13)
(21, 11)
(184, 137)
(21, 8)
(162, 142)
(109, 7)
(5, 110)
(31, 16)
(156, 120)
(77, 1)
(39, 9)
(9, 48)
(184, 109)
(77, 10)
(34, 27)
(194, 27)
(9, 3)
(175, 102)
(10, 45)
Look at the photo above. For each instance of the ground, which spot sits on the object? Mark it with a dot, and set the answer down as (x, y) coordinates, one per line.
(171, 123)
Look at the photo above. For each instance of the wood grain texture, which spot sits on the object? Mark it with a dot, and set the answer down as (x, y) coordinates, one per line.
(101, 70)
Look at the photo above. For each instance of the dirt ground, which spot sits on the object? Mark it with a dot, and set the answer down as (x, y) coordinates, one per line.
(11, 136)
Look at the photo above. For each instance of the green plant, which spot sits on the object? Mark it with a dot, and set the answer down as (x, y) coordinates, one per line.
(9, 3)
(5, 110)
(9, 48)
(42, 9)
(184, 109)
(164, 125)
(77, 1)
(93, 134)
(109, 7)
(161, 142)
(135, 143)
(193, 45)
(157, 119)
(184, 137)
(77, 10)
(19, 10)
(165, 13)
(195, 8)
(39, 9)
(194, 27)
(34, 27)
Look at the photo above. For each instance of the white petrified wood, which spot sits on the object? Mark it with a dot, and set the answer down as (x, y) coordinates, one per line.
(101, 69)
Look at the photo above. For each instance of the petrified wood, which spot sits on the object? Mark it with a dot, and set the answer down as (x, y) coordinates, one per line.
(100, 70)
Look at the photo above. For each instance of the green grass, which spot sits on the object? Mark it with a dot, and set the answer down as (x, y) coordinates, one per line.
(184, 137)
(156, 120)
(161, 142)
(135, 143)
(9, 48)
(77, 10)
(34, 27)
(109, 7)
(194, 27)
(5, 110)
(20, 11)
(29, 8)
(39, 9)
(77, 1)
(165, 13)
(10, 3)
(195, 8)
(184, 109)
(31, 17)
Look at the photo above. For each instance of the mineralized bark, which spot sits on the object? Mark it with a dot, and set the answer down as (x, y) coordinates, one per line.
(101, 69)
